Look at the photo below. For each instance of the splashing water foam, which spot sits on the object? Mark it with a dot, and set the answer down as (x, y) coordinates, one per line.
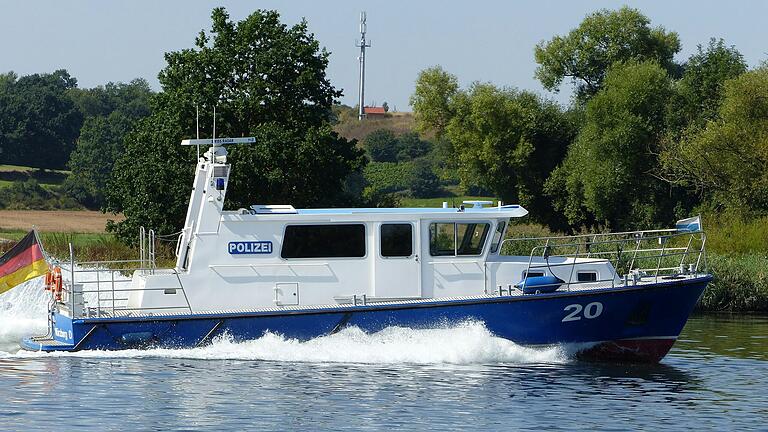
(465, 343)
(23, 312)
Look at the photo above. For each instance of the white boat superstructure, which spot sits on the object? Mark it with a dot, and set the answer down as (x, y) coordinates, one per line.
(276, 255)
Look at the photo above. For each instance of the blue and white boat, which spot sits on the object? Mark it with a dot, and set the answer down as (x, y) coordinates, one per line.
(307, 273)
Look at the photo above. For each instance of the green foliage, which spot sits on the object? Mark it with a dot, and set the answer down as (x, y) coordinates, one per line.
(606, 177)
(38, 121)
(740, 284)
(386, 177)
(733, 234)
(111, 112)
(508, 141)
(129, 99)
(603, 38)
(727, 160)
(423, 182)
(381, 145)
(266, 80)
(700, 90)
(432, 99)
(410, 146)
(29, 195)
(262, 172)
(150, 181)
(92, 162)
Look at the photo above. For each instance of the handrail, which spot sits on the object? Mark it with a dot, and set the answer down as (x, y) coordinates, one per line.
(625, 254)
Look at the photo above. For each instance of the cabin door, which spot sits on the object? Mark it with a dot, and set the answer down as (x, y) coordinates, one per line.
(397, 269)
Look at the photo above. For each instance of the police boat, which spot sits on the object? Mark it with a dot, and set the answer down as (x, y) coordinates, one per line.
(305, 273)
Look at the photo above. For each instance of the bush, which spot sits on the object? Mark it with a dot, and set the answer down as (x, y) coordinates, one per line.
(740, 284)
(381, 145)
(29, 195)
(424, 182)
(410, 146)
(386, 177)
(735, 234)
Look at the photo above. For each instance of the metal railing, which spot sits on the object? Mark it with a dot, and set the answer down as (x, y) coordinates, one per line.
(103, 288)
(634, 256)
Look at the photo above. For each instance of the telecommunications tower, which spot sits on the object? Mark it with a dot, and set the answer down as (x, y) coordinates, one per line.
(363, 44)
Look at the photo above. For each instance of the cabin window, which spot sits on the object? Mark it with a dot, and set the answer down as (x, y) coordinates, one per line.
(532, 274)
(396, 240)
(457, 239)
(584, 276)
(498, 235)
(442, 239)
(324, 241)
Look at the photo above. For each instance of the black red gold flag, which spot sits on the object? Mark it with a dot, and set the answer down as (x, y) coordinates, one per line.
(23, 262)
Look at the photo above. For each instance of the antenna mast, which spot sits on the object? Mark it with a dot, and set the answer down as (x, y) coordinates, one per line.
(197, 129)
(362, 45)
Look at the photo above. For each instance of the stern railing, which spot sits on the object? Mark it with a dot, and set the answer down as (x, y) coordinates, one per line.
(103, 288)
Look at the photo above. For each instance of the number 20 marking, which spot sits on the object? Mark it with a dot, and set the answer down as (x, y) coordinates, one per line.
(590, 311)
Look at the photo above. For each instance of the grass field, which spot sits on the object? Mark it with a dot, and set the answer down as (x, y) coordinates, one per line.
(398, 123)
(78, 221)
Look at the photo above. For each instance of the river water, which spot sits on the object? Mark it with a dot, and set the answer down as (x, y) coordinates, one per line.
(461, 377)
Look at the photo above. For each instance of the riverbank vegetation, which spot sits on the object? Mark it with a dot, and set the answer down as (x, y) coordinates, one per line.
(648, 138)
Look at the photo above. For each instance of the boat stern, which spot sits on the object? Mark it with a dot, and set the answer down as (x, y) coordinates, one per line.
(62, 336)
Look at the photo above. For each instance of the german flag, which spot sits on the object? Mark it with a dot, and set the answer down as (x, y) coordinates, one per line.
(23, 262)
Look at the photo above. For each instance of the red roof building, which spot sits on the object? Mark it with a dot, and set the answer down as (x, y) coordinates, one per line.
(374, 111)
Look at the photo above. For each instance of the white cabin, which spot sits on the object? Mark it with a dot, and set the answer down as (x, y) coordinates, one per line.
(272, 256)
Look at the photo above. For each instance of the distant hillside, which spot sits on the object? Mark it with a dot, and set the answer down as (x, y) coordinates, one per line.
(350, 127)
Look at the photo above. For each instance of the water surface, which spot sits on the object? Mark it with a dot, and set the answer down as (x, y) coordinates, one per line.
(460, 377)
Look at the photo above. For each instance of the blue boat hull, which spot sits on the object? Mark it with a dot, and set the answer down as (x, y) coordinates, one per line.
(637, 323)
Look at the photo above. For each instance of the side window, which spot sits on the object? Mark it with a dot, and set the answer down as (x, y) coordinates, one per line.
(324, 241)
(457, 239)
(586, 276)
(396, 240)
(532, 274)
(498, 235)
(442, 239)
(471, 238)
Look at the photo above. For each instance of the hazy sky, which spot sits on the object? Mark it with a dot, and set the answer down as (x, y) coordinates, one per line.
(101, 41)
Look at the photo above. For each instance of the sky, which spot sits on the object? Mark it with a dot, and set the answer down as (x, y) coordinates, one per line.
(490, 41)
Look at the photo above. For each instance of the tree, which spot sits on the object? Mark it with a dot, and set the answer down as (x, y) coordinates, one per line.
(423, 183)
(39, 122)
(603, 38)
(410, 146)
(385, 105)
(727, 160)
(432, 99)
(607, 176)
(266, 80)
(508, 141)
(99, 146)
(111, 111)
(700, 90)
(130, 99)
(381, 145)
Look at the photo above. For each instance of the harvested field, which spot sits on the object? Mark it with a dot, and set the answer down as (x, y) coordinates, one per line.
(81, 221)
